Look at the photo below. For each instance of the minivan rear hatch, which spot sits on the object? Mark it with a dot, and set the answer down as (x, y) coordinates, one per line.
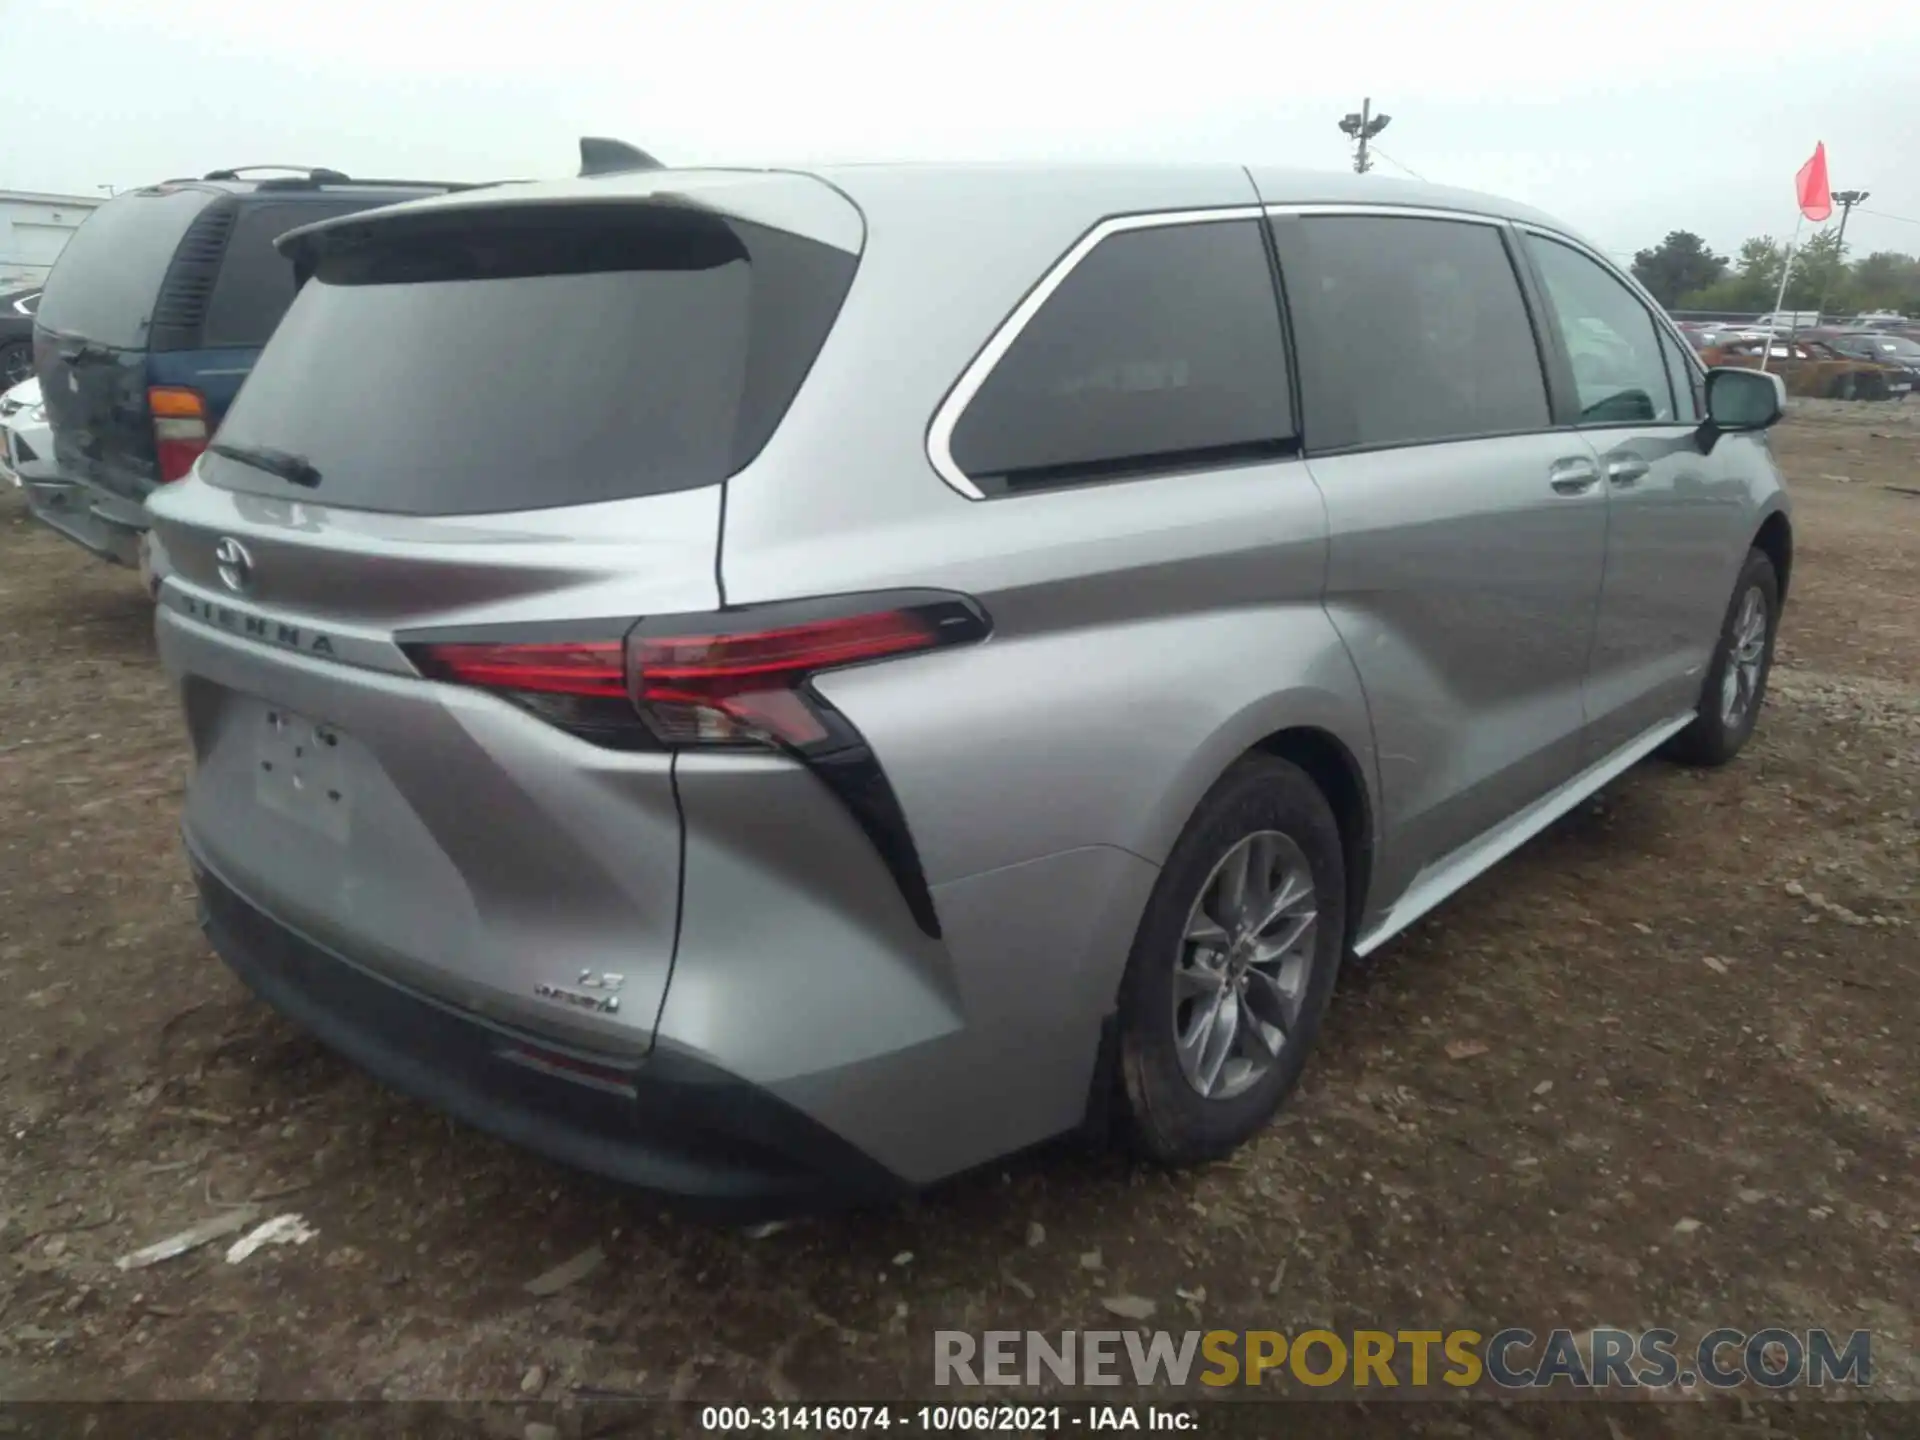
(478, 424)
(460, 358)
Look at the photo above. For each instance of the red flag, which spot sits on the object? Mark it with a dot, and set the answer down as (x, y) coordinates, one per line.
(1816, 202)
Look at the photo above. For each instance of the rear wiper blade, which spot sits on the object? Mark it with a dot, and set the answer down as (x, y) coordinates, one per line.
(295, 469)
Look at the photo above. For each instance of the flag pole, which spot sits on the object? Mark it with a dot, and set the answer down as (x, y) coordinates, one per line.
(1786, 271)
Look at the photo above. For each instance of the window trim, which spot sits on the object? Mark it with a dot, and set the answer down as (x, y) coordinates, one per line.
(947, 417)
(1548, 343)
(1560, 374)
(1691, 375)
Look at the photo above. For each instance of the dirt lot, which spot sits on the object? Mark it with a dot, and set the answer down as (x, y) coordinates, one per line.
(1698, 1000)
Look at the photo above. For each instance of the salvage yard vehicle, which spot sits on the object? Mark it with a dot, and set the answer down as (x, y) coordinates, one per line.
(16, 335)
(1814, 369)
(1893, 351)
(23, 429)
(967, 656)
(152, 317)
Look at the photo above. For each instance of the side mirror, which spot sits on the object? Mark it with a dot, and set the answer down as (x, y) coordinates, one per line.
(1741, 400)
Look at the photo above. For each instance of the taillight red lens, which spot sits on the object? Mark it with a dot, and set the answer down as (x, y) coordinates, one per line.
(593, 669)
(179, 429)
(744, 686)
(702, 684)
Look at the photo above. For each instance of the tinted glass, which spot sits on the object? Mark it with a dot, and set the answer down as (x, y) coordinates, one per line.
(1618, 372)
(548, 356)
(1684, 376)
(106, 280)
(1418, 327)
(1892, 346)
(256, 281)
(1160, 350)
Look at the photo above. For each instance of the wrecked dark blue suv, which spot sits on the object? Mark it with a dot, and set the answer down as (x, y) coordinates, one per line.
(152, 317)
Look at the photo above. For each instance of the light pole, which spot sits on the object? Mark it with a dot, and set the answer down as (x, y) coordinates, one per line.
(1361, 126)
(1846, 200)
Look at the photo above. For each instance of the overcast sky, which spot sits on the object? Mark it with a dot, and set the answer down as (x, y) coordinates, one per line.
(1628, 118)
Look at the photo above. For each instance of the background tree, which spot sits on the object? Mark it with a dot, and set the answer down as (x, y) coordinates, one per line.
(1820, 269)
(1751, 287)
(1678, 264)
(1748, 285)
(1887, 280)
(1760, 261)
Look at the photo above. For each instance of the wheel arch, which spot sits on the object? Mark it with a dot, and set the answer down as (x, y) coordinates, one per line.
(1774, 539)
(1324, 733)
(1335, 770)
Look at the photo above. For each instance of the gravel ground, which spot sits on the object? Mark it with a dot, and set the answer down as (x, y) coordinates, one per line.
(1686, 1098)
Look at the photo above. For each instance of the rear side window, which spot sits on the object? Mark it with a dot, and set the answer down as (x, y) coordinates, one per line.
(466, 362)
(1412, 331)
(1160, 350)
(256, 281)
(1618, 373)
(105, 283)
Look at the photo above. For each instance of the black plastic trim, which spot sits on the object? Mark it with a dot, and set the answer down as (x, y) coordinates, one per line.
(1136, 467)
(844, 761)
(1325, 417)
(180, 309)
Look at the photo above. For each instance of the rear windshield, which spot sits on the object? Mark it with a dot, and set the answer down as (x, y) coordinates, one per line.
(256, 281)
(453, 363)
(105, 283)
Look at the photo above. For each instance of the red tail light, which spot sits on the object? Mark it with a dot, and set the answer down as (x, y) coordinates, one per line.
(706, 680)
(694, 689)
(594, 669)
(180, 431)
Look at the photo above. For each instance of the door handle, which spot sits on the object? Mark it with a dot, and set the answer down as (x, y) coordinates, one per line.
(1573, 476)
(1626, 469)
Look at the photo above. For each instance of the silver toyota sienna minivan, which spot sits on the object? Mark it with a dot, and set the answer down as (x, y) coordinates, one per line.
(780, 687)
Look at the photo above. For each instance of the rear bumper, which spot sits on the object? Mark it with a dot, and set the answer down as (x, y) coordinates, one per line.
(668, 1124)
(109, 525)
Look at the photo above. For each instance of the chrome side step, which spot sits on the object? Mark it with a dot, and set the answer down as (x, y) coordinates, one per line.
(1472, 860)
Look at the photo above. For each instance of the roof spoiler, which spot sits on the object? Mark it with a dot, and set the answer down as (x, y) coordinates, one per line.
(601, 156)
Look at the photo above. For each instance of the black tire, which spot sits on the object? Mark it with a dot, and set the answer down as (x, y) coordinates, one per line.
(16, 363)
(1165, 1117)
(1714, 738)
(1844, 387)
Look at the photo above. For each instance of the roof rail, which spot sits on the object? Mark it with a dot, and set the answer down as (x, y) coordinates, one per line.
(331, 178)
(601, 156)
(312, 172)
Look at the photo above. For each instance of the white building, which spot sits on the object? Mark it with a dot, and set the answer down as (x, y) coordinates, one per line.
(33, 230)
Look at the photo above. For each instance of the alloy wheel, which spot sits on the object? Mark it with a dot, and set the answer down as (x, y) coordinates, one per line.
(1748, 650)
(1245, 959)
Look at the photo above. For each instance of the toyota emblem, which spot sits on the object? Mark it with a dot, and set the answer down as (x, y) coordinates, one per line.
(236, 565)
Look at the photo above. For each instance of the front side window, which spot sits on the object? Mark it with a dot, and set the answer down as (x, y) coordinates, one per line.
(1611, 340)
(1160, 351)
(1688, 392)
(1418, 326)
